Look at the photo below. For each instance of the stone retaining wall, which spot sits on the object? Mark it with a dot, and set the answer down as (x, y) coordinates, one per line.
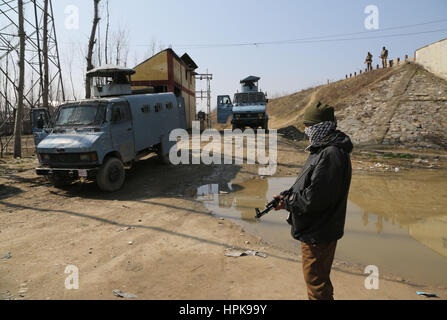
(434, 58)
(409, 108)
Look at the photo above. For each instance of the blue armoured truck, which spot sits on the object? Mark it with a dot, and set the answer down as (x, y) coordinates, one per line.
(97, 139)
(248, 109)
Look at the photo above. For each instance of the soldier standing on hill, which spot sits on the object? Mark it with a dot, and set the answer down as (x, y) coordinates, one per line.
(368, 61)
(384, 57)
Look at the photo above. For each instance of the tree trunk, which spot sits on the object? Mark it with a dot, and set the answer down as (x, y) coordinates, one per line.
(19, 110)
(46, 77)
(91, 45)
(106, 50)
(99, 45)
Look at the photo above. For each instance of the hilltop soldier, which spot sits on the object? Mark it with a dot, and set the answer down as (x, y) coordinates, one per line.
(368, 61)
(384, 57)
(318, 200)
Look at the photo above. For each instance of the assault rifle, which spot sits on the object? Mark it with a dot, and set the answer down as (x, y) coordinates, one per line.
(272, 205)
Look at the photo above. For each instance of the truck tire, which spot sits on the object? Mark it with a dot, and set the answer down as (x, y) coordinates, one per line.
(163, 158)
(111, 176)
(266, 126)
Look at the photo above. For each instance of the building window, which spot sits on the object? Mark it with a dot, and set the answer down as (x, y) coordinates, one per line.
(186, 75)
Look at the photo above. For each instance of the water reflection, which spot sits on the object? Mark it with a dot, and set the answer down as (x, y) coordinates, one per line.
(398, 223)
(415, 201)
(240, 201)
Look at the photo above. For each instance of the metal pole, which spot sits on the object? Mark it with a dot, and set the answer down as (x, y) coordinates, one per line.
(58, 62)
(39, 52)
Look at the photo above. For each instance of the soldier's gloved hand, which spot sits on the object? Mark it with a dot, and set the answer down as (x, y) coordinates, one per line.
(281, 205)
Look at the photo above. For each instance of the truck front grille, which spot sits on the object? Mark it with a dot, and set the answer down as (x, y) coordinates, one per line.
(248, 115)
(69, 160)
(65, 158)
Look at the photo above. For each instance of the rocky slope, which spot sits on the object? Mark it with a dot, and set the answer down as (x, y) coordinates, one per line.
(403, 106)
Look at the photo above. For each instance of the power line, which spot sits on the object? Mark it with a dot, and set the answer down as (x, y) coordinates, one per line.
(319, 38)
(315, 41)
(312, 38)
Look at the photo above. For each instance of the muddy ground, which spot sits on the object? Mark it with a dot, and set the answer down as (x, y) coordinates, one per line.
(155, 240)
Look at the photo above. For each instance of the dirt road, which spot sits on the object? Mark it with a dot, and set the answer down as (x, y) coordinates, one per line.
(152, 239)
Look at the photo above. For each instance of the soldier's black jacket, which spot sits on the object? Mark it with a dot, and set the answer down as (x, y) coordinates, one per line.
(319, 197)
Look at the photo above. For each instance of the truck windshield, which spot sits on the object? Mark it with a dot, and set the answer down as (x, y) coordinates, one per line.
(249, 98)
(86, 114)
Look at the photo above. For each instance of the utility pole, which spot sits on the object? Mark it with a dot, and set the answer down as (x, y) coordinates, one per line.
(46, 81)
(205, 94)
(19, 110)
(34, 26)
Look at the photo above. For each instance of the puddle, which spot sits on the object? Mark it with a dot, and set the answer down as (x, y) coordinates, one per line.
(397, 223)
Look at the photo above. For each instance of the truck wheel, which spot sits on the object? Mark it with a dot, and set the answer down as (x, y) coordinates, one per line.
(58, 181)
(111, 176)
(164, 159)
(266, 126)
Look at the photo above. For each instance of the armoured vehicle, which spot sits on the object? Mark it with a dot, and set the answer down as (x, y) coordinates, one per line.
(248, 108)
(97, 139)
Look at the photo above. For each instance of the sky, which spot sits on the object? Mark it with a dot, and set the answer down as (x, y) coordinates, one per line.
(206, 29)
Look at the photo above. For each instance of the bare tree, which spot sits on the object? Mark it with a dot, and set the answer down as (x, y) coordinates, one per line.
(153, 47)
(99, 46)
(120, 46)
(70, 71)
(106, 42)
(91, 45)
(7, 109)
(19, 110)
(3, 106)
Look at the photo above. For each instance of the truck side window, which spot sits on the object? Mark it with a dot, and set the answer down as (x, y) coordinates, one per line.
(158, 107)
(146, 108)
(224, 100)
(169, 105)
(120, 113)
